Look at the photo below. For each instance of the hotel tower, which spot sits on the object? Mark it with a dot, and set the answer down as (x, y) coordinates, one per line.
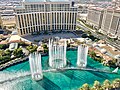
(45, 15)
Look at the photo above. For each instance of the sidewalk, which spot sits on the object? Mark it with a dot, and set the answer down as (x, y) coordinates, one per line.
(93, 30)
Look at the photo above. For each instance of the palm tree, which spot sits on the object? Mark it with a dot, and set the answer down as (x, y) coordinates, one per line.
(97, 85)
(85, 87)
(116, 83)
(106, 85)
(93, 54)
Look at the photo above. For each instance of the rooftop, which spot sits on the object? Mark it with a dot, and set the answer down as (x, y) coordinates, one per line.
(45, 0)
(97, 8)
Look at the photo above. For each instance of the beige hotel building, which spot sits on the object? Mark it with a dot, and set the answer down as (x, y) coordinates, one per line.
(111, 22)
(45, 15)
(95, 16)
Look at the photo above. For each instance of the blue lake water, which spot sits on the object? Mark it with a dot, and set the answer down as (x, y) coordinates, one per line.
(62, 80)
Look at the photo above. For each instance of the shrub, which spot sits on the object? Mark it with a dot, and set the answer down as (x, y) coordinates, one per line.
(32, 48)
(18, 52)
(3, 46)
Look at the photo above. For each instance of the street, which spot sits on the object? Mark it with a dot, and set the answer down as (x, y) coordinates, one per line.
(100, 36)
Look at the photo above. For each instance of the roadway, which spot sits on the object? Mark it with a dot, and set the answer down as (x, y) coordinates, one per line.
(100, 36)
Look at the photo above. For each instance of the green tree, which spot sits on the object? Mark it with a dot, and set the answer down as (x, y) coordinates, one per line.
(45, 47)
(7, 52)
(85, 87)
(3, 46)
(32, 48)
(116, 83)
(107, 85)
(18, 52)
(4, 59)
(92, 54)
(2, 53)
(97, 85)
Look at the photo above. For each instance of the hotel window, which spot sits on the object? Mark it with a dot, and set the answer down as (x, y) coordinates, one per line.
(48, 27)
(35, 18)
(60, 17)
(19, 21)
(26, 30)
(34, 29)
(63, 20)
(38, 18)
(30, 15)
(67, 18)
(22, 20)
(29, 29)
(25, 20)
(53, 18)
(46, 14)
(53, 7)
(48, 18)
(55, 27)
(41, 18)
(72, 18)
(28, 19)
(47, 7)
(57, 18)
(37, 28)
(75, 17)
(42, 7)
(52, 27)
(41, 27)
(21, 31)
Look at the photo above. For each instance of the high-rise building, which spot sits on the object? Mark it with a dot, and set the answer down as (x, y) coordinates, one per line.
(115, 2)
(45, 15)
(95, 16)
(111, 21)
(107, 18)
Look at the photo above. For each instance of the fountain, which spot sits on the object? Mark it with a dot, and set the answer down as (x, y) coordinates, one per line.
(57, 53)
(35, 66)
(82, 55)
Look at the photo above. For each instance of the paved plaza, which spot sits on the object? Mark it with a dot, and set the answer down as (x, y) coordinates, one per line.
(44, 36)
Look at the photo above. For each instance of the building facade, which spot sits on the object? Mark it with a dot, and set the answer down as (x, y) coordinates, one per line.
(111, 22)
(49, 15)
(107, 20)
(95, 16)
